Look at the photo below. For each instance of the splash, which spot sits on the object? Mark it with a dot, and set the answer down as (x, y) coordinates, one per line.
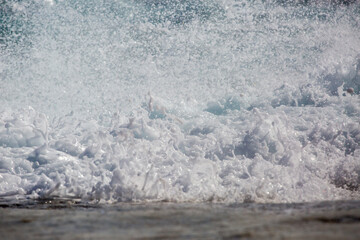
(180, 100)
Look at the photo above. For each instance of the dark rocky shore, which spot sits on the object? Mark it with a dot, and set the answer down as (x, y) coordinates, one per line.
(75, 220)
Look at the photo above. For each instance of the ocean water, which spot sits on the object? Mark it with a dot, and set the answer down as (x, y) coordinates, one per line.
(179, 100)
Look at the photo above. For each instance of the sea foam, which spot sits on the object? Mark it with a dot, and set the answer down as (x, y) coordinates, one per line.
(193, 101)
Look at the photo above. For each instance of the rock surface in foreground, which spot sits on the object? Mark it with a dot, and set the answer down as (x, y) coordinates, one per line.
(325, 220)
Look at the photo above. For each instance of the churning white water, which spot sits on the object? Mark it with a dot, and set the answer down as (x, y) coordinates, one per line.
(180, 100)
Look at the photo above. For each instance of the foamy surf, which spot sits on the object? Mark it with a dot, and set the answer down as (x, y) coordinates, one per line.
(183, 102)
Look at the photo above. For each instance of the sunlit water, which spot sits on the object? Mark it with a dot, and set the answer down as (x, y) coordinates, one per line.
(181, 100)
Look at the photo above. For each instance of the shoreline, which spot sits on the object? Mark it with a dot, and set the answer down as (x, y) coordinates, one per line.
(325, 220)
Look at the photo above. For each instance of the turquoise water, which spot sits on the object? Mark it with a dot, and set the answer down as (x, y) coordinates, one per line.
(195, 101)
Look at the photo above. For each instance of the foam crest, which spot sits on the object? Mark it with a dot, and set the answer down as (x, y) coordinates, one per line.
(180, 100)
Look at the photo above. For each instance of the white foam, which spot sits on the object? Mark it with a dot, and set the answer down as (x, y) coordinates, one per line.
(248, 105)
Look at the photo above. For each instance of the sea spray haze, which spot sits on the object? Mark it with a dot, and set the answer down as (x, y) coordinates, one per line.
(180, 100)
